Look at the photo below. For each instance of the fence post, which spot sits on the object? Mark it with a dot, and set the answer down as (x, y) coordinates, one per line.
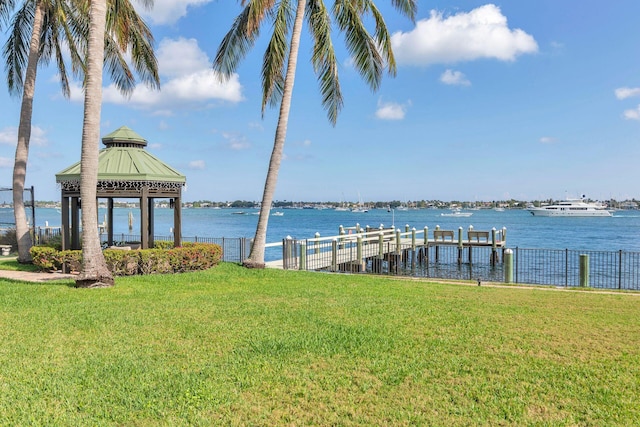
(334, 255)
(494, 247)
(359, 254)
(508, 266)
(303, 256)
(459, 245)
(620, 269)
(584, 270)
(288, 248)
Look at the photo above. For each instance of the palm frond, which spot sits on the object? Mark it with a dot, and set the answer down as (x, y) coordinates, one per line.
(383, 38)
(131, 33)
(16, 48)
(240, 38)
(273, 64)
(408, 8)
(324, 59)
(116, 65)
(6, 6)
(363, 48)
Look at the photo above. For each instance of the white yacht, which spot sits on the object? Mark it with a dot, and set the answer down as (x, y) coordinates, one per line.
(457, 213)
(571, 207)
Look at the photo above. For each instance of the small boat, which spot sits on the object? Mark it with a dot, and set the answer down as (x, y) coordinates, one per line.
(278, 213)
(457, 213)
(572, 208)
(239, 213)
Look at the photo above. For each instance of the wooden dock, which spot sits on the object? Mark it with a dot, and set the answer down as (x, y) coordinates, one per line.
(352, 252)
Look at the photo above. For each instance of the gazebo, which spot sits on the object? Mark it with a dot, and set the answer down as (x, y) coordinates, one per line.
(125, 171)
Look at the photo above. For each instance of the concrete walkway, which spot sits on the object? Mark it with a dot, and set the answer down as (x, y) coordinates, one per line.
(29, 276)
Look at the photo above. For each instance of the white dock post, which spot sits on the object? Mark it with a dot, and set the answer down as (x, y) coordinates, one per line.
(406, 228)
(342, 233)
(426, 236)
(584, 270)
(334, 255)
(508, 266)
(381, 245)
(398, 242)
(317, 243)
(413, 239)
(303, 256)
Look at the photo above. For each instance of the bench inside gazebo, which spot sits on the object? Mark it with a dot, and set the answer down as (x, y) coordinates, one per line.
(125, 171)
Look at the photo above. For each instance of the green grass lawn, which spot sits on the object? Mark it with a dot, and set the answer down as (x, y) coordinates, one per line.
(233, 346)
(10, 263)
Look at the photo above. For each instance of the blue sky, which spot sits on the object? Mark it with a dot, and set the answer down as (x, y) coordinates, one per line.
(515, 99)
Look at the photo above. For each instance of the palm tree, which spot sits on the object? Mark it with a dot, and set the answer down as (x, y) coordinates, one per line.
(371, 55)
(94, 269)
(54, 24)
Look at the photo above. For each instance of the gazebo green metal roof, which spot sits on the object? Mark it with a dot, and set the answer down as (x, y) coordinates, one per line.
(125, 159)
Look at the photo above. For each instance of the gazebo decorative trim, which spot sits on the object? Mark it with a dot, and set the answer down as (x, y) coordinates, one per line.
(125, 170)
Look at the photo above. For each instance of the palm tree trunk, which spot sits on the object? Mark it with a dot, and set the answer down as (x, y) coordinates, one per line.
(23, 234)
(256, 258)
(94, 269)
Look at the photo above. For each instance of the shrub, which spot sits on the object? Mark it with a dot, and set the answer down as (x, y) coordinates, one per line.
(162, 244)
(195, 256)
(72, 259)
(46, 258)
(121, 262)
(154, 261)
(191, 257)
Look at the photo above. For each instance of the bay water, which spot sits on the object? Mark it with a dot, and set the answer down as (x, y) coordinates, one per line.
(619, 232)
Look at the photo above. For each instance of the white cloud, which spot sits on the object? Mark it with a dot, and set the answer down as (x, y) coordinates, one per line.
(632, 114)
(169, 11)
(627, 92)
(187, 79)
(235, 141)
(451, 77)
(6, 163)
(9, 136)
(480, 33)
(192, 58)
(197, 165)
(547, 140)
(390, 111)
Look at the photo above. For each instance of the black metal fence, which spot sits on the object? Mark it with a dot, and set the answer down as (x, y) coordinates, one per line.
(234, 249)
(606, 269)
(555, 267)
